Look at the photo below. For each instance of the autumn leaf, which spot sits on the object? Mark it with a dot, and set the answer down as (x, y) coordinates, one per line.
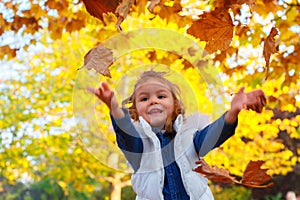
(119, 8)
(74, 24)
(270, 47)
(214, 174)
(99, 58)
(7, 51)
(254, 176)
(122, 11)
(171, 13)
(152, 5)
(233, 3)
(216, 28)
(99, 7)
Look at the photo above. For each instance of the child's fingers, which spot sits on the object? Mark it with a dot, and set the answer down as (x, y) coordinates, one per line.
(91, 90)
(241, 90)
(263, 100)
(98, 92)
(105, 86)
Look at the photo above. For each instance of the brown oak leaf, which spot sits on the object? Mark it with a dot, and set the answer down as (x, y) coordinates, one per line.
(99, 58)
(119, 7)
(214, 174)
(99, 7)
(270, 47)
(215, 27)
(254, 176)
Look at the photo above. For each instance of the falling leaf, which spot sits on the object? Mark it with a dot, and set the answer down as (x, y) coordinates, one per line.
(122, 11)
(98, 7)
(216, 28)
(99, 58)
(254, 176)
(118, 7)
(214, 174)
(270, 47)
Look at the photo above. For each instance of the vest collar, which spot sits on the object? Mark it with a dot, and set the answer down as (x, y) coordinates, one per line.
(176, 126)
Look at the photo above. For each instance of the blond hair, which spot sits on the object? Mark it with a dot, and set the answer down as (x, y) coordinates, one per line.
(176, 94)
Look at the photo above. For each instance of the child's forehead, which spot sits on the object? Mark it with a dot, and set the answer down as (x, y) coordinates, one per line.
(152, 82)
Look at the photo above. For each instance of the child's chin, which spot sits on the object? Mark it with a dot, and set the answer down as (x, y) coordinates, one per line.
(158, 124)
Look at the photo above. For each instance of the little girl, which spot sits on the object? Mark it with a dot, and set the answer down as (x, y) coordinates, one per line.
(161, 144)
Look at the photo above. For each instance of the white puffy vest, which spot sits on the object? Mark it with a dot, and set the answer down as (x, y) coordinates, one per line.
(148, 181)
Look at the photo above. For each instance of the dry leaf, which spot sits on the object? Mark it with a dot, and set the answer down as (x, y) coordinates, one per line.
(99, 7)
(122, 10)
(99, 58)
(270, 47)
(253, 177)
(214, 174)
(216, 28)
(119, 7)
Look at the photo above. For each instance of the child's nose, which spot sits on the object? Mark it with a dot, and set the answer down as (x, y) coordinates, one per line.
(153, 100)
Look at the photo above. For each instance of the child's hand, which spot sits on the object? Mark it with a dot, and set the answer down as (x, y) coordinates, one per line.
(254, 100)
(105, 94)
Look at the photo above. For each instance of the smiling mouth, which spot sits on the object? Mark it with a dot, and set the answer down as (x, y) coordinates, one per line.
(155, 111)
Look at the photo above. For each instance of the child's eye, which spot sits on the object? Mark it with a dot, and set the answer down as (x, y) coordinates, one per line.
(161, 96)
(144, 99)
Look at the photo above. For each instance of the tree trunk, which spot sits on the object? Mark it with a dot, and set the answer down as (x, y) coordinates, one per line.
(116, 183)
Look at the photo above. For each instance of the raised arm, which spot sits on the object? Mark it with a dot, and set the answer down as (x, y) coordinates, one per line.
(128, 138)
(105, 94)
(219, 131)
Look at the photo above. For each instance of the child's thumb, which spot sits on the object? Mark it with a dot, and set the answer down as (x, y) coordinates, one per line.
(241, 90)
(91, 90)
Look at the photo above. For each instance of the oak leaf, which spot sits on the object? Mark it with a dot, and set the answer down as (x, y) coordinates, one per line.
(270, 47)
(214, 174)
(119, 7)
(215, 27)
(253, 177)
(99, 58)
(99, 7)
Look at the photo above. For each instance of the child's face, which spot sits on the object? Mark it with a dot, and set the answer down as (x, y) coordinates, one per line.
(154, 102)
